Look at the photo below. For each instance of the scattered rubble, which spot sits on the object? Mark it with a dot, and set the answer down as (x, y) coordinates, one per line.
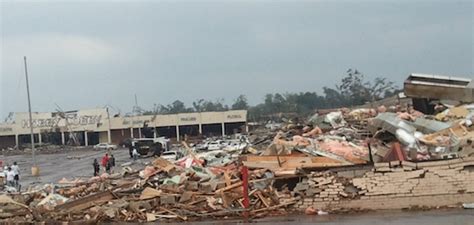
(159, 191)
(336, 155)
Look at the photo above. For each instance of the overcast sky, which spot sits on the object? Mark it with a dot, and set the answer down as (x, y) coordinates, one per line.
(85, 54)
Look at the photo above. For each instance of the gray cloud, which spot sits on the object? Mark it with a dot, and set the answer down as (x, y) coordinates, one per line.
(85, 54)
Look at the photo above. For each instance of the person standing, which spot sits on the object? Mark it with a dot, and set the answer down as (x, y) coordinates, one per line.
(112, 162)
(130, 149)
(105, 161)
(108, 166)
(10, 177)
(135, 154)
(96, 166)
(16, 172)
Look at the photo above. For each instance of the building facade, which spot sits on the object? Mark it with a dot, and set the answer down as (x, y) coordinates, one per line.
(93, 126)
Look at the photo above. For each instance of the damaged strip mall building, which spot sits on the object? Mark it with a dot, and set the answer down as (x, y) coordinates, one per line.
(93, 126)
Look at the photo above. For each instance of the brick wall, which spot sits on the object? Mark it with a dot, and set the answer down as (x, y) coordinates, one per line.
(393, 185)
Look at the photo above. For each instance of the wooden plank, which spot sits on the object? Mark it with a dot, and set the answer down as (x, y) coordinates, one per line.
(253, 158)
(86, 202)
(263, 199)
(286, 172)
(227, 178)
(163, 164)
(238, 184)
(197, 201)
(290, 165)
(289, 159)
(268, 165)
(225, 200)
(184, 218)
(294, 165)
(150, 193)
(190, 152)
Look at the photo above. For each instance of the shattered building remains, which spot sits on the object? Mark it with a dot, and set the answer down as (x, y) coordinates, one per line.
(423, 88)
(336, 161)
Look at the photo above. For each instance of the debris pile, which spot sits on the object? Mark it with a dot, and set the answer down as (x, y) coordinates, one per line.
(252, 175)
(424, 138)
(160, 191)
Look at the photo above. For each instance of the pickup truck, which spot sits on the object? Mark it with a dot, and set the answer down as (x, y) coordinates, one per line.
(153, 146)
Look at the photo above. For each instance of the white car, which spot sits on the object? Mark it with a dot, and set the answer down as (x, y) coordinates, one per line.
(235, 146)
(170, 156)
(105, 146)
(215, 145)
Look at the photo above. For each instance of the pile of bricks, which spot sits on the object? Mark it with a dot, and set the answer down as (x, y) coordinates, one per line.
(321, 187)
(400, 183)
(417, 179)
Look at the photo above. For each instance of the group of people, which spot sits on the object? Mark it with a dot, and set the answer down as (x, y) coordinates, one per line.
(12, 175)
(107, 162)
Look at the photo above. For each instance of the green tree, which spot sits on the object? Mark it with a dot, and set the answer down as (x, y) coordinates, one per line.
(240, 103)
(257, 113)
(352, 90)
(162, 109)
(178, 107)
(279, 103)
(380, 88)
(218, 105)
(198, 105)
(333, 98)
(356, 91)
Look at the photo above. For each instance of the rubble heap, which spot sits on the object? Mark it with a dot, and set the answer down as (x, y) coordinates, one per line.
(161, 191)
(216, 183)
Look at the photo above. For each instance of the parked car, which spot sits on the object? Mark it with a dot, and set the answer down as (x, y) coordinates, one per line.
(215, 145)
(170, 155)
(105, 146)
(235, 146)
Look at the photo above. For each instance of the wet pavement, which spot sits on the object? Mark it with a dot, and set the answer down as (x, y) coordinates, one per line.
(71, 164)
(433, 217)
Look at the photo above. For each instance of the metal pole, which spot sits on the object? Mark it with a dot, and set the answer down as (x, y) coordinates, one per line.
(134, 114)
(245, 190)
(31, 119)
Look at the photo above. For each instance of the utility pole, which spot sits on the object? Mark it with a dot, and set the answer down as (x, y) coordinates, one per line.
(135, 112)
(34, 169)
(136, 101)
